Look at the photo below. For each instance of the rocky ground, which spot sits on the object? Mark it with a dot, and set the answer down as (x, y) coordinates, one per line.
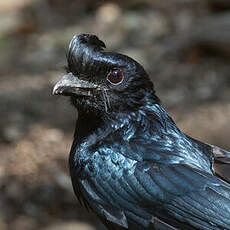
(184, 46)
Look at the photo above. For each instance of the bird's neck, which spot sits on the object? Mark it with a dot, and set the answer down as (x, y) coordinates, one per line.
(157, 116)
(152, 117)
(87, 123)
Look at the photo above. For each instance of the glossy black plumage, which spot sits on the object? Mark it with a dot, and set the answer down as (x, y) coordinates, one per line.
(129, 162)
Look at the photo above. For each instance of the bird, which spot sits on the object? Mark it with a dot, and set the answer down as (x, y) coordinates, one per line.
(129, 162)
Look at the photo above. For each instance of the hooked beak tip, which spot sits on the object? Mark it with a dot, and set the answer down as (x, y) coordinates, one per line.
(70, 84)
(55, 90)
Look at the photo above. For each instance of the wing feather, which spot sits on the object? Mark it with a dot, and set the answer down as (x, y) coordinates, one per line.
(204, 203)
(221, 164)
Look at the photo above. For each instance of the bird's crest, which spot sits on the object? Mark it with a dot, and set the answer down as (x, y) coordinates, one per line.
(82, 50)
(92, 40)
(86, 40)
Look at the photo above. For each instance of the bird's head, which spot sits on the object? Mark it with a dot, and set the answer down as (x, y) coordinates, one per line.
(103, 82)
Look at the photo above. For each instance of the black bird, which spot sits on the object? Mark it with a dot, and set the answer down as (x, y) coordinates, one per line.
(129, 162)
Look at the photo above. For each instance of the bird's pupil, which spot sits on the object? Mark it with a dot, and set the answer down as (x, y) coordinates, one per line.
(116, 75)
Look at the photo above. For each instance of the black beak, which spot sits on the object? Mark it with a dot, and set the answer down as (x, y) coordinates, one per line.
(72, 85)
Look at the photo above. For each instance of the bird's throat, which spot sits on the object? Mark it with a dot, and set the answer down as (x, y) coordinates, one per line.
(86, 124)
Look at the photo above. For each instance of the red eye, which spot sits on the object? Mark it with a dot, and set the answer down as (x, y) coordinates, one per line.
(115, 76)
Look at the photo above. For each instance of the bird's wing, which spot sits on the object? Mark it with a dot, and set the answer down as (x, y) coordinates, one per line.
(175, 195)
(116, 204)
(185, 195)
(221, 164)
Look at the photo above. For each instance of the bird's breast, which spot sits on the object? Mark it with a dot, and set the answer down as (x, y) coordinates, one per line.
(105, 163)
(101, 175)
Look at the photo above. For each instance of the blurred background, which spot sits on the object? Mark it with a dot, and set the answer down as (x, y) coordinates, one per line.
(183, 44)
